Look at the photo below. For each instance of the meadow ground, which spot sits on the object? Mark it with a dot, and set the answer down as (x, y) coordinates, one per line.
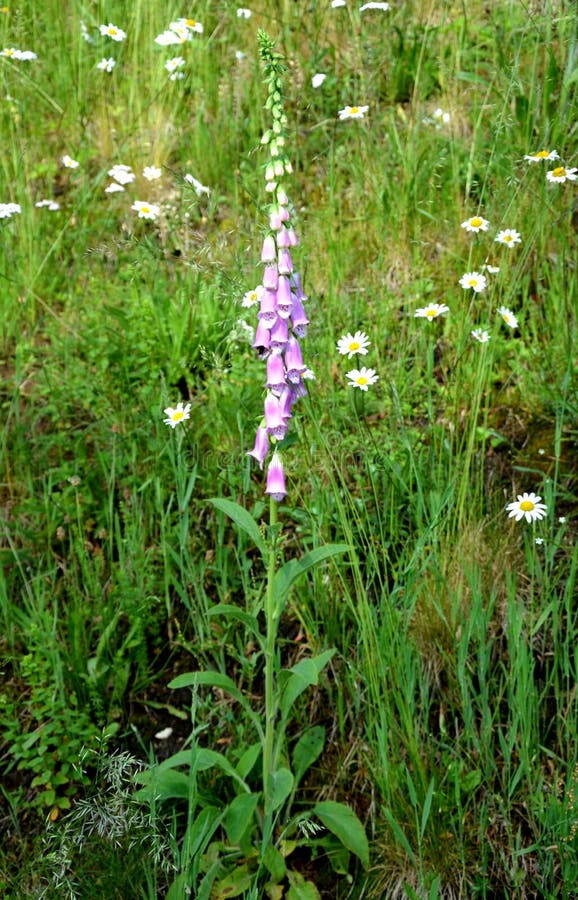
(181, 714)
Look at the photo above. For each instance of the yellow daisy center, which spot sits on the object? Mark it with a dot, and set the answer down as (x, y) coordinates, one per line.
(559, 172)
(362, 379)
(430, 313)
(354, 345)
(476, 222)
(177, 416)
(472, 282)
(507, 237)
(354, 110)
(9, 52)
(145, 209)
(112, 31)
(526, 506)
(542, 154)
(190, 22)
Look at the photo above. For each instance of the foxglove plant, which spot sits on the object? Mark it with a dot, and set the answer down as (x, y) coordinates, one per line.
(282, 322)
(282, 319)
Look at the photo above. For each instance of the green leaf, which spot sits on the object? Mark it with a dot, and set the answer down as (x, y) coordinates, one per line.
(244, 520)
(344, 824)
(234, 884)
(274, 863)
(233, 612)
(208, 759)
(292, 570)
(300, 889)
(248, 760)
(216, 679)
(281, 785)
(200, 832)
(165, 785)
(239, 816)
(307, 749)
(305, 673)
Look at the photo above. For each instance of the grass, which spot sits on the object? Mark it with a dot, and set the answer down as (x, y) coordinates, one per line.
(448, 709)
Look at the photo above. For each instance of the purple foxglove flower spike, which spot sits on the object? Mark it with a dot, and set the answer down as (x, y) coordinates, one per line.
(284, 263)
(276, 479)
(275, 372)
(261, 448)
(275, 220)
(270, 278)
(269, 253)
(279, 333)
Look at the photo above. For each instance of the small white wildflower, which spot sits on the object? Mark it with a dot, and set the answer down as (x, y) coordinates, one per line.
(508, 316)
(174, 416)
(431, 311)
(146, 210)
(508, 237)
(473, 281)
(243, 13)
(352, 112)
(122, 174)
(165, 734)
(106, 65)
(113, 188)
(362, 378)
(479, 335)
(475, 224)
(542, 155)
(318, 79)
(152, 173)
(69, 163)
(112, 31)
(200, 189)
(527, 506)
(560, 175)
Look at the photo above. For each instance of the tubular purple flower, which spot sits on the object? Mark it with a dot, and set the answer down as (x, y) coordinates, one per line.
(269, 253)
(279, 333)
(270, 278)
(283, 239)
(284, 297)
(296, 279)
(268, 307)
(284, 214)
(275, 219)
(276, 380)
(282, 197)
(276, 479)
(294, 361)
(284, 262)
(299, 320)
(293, 239)
(262, 340)
(275, 419)
(261, 448)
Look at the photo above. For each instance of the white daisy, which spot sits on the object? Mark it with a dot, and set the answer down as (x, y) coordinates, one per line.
(440, 117)
(527, 506)
(350, 344)
(473, 281)
(431, 311)
(476, 223)
(508, 237)
(541, 155)
(113, 188)
(508, 316)
(479, 335)
(362, 378)
(146, 210)
(561, 175)
(352, 112)
(253, 297)
(68, 162)
(111, 31)
(177, 62)
(174, 416)
(243, 13)
(52, 205)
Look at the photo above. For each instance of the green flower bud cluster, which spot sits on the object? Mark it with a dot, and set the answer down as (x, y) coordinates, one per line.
(275, 136)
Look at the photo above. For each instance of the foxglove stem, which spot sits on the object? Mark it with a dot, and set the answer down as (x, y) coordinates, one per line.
(270, 710)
